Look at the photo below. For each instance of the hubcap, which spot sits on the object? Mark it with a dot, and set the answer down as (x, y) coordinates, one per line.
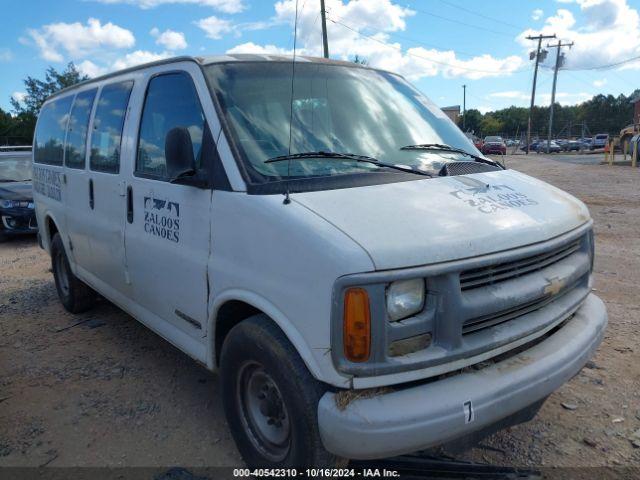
(62, 274)
(264, 413)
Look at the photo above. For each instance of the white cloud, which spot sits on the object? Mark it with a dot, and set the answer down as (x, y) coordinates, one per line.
(251, 47)
(131, 59)
(509, 94)
(215, 27)
(522, 98)
(136, 58)
(225, 6)
(6, 55)
(537, 14)
(87, 67)
(169, 39)
(19, 96)
(79, 40)
(600, 83)
(605, 32)
(370, 24)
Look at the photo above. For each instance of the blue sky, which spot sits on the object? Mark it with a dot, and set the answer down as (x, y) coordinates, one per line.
(438, 44)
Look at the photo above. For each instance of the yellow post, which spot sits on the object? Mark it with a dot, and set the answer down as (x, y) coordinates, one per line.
(607, 153)
(612, 151)
(634, 155)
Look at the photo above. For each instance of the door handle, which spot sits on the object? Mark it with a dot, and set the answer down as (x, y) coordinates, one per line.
(129, 204)
(91, 199)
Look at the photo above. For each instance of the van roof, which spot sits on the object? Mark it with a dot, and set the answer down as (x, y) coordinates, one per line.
(212, 59)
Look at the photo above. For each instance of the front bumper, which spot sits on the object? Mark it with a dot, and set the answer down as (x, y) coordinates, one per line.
(18, 221)
(438, 412)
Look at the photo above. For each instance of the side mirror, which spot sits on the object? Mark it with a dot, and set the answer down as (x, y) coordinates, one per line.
(178, 151)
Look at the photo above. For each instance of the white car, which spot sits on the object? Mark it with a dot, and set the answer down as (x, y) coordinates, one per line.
(316, 240)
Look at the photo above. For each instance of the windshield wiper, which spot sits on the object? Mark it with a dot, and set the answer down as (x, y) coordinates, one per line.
(344, 156)
(441, 147)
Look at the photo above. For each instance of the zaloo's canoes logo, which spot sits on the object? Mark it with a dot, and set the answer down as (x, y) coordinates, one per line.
(162, 218)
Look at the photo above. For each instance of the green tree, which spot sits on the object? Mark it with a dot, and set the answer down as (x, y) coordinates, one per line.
(37, 91)
(491, 125)
(472, 121)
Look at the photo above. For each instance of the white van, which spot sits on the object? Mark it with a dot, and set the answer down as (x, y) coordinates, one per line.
(366, 281)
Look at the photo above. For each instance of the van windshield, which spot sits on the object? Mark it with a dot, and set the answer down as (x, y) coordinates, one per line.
(335, 109)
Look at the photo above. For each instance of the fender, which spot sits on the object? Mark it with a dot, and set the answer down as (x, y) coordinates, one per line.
(266, 307)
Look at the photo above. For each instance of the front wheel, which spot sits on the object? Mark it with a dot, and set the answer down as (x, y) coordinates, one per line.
(270, 398)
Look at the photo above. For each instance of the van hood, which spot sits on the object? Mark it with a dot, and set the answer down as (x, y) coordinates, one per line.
(435, 220)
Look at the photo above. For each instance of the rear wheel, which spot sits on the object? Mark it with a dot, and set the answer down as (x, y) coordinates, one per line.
(270, 398)
(74, 294)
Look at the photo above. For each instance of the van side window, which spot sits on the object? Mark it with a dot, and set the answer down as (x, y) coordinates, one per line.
(49, 137)
(75, 148)
(107, 127)
(171, 101)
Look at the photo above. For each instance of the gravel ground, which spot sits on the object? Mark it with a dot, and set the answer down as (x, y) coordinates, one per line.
(99, 389)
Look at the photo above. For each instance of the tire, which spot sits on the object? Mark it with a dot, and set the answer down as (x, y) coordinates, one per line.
(264, 379)
(74, 294)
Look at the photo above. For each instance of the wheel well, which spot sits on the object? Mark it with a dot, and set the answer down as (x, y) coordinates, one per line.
(229, 315)
(52, 229)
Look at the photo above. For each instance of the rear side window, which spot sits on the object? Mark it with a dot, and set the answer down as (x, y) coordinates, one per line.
(49, 137)
(75, 147)
(107, 127)
(171, 102)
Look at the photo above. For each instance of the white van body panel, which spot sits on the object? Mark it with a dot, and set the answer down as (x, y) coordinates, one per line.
(428, 221)
(267, 254)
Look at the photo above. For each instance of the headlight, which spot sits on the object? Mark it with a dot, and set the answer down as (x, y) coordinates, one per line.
(7, 203)
(405, 298)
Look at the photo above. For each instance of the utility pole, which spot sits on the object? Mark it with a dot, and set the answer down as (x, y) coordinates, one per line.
(464, 108)
(325, 41)
(553, 90)
(535, 78)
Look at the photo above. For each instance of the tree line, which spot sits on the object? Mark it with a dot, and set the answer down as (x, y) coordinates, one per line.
(600, 114)
(17, 127)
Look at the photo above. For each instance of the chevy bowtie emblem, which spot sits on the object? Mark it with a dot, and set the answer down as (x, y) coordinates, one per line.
(554, 286)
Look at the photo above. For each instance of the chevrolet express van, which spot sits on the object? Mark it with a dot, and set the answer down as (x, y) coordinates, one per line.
(365, 280)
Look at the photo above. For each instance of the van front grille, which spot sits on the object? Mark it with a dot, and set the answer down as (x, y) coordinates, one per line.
(496, 318)
(492, 274)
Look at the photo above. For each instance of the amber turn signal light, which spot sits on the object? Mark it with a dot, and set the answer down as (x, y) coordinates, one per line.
(356, 334)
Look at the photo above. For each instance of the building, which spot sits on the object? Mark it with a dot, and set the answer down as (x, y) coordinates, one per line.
(452, 112)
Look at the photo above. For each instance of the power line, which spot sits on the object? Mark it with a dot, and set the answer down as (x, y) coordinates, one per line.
(607, 66)
(404, 37)
(470, 25)
(423, 57)
(487, 17)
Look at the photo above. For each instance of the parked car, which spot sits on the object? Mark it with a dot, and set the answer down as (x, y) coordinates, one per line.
(571, 146)
(599, 141)
(585, 143)
(494, 145)
(342, 297)
(542, 146)
(17, 215)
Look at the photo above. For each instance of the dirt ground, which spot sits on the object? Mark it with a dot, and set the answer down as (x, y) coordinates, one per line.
(99, 389)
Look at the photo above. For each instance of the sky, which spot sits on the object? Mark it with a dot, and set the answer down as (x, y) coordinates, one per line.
(439, 45)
